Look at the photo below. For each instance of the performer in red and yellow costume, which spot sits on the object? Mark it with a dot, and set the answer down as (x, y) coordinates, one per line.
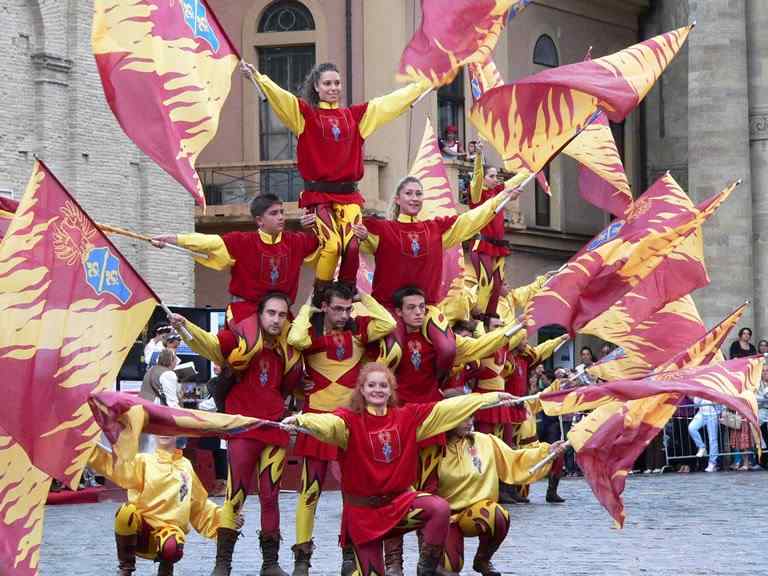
(469, 473)
(334, 346)
(489, 252)
(329, 155)
(165, 497)
(409, 252)
(274, 370)
(268, 260)
(378, 462)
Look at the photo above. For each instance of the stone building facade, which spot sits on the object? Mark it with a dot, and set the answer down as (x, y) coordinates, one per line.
(53, 107)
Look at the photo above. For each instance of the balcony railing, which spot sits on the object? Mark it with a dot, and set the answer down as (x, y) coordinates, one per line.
(238, 183)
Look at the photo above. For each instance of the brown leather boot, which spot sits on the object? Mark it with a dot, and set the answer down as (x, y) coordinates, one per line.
(225, 547)
(393, 556)
(482, 562)
(348, 561)
(552, 496)
(165, 568)
(302, 554)
(429, 559)
(126, 554)
(270, 552)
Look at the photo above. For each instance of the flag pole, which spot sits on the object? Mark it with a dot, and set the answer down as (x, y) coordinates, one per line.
(248, 69)
(186, 333)
(109, 229)
(551, 456)
(522, 185)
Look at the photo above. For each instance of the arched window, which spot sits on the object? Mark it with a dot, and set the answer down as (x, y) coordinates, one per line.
(286, 16)
(545, 52)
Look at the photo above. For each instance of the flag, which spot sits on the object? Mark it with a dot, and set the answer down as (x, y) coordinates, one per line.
(624, 254)
(483, 76)
(166, 68)
(531, 120)
(70, 310)
(7, 210)
(602, 180)
(123, 417)
(439, 198)
(23, 492)
(730, 383)
(647, 343)
(454, 33)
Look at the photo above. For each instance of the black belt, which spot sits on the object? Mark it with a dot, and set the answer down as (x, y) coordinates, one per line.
(495, 241)
(331, 187)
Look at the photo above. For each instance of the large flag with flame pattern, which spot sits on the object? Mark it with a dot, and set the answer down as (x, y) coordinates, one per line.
(167, 69)
(609, 440)
(454, 33)
(70, 311)
(531, 120)
(439, 199)
(624, 254)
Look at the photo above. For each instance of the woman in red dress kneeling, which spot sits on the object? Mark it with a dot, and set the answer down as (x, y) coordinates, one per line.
(378, 459)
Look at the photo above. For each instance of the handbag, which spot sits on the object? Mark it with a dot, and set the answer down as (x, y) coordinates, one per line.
(730, 419)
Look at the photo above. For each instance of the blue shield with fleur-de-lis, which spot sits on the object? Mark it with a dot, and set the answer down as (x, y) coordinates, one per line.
(102, 273)
(606, 235)
(196, 17)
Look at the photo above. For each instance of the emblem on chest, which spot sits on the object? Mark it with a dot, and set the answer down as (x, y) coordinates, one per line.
(385, 445)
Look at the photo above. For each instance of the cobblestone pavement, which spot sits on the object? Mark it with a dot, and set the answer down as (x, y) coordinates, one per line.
(686, 525)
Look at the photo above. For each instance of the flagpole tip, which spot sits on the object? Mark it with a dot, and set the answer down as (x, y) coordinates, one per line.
(693, 24)
(739, 182)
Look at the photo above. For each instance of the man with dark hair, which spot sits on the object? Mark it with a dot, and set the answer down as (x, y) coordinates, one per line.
(409, 251)
(268, 260)
(334, 347)
(273, 371)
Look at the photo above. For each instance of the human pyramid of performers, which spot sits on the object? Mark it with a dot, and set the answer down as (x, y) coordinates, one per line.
(417, 387)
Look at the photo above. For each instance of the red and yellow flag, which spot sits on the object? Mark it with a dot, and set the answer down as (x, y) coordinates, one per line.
(70, 312)
(531, 120)
(439, 198)
(124, 416)
(483, 76)
(7, 210)
(454, 33)
(167, 69)
(623, 255)
(732, 383)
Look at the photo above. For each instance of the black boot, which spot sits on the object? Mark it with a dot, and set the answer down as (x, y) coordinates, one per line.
(270, 554)
(552, 496)
(348, 562)
(302, 554)
(225, 547)
(165, 568)
(429, 559)
(393, 556)
(126, 554)
(505, 495)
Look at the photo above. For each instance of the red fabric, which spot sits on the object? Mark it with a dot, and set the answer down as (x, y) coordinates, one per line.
(261, 268)
(258, 394)
(517, 385)
(381, 458)
(495, 229)
(330, 149)
(244, 455)
(416, 378)
(409, 253)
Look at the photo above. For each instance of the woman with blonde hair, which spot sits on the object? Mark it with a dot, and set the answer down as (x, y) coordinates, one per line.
(379, 465)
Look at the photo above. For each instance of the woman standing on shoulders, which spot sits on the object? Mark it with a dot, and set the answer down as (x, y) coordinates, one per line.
(379, 465)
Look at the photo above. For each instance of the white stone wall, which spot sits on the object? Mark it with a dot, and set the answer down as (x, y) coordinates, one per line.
(52, 105)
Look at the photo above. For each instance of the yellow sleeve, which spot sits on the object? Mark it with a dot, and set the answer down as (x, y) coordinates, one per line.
(129, 475)
(204, 516)
(298, 335)
(370, 245)
(211, 244)
(204, 343)
(478, 175)
(327, 427)
(522, 295)
(382, 323)
(546, 349)
(284, 104)
(513, 465)
(469, 349)
(447, 414)
(384, 109)
(471, 222)
(535, 405)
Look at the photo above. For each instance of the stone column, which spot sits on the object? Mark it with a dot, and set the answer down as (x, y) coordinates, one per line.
(718, 151)
(757, 43)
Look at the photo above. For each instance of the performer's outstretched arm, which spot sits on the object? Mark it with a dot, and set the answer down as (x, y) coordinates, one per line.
(447, 414)
(478, 177)
(284, 104)
(471, 222)
(544, 350)
(327, 427)
(384, 109)
(203, 342)
(218, 257)
(204, 516)
(469, 349)
(513, 465)
(128, 474)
